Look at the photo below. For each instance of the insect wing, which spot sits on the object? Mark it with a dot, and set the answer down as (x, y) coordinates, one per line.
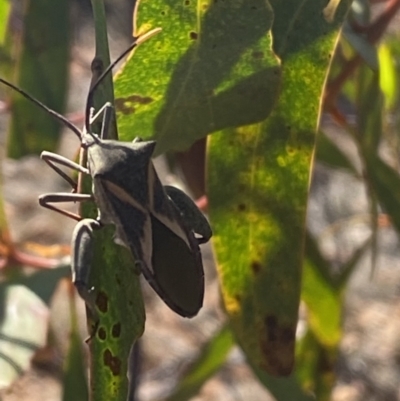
(176, 259)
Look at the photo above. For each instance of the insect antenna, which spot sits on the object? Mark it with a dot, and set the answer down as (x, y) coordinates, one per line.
(95, 85)
(38, 103)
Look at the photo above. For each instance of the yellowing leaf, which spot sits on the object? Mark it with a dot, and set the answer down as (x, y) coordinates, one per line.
(259, 176)
(210, 68)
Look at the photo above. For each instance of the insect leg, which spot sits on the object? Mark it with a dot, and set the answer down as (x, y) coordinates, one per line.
(82, 256)
(53, 160)
(106, 111)
(107, 117)
(46, 201)
(193, 217)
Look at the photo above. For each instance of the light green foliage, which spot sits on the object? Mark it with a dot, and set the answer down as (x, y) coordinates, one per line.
(5, 7)
(211, 358)
(388, 77)
(208, 69)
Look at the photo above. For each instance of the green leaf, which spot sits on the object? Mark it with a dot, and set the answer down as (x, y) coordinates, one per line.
(382, 179)
(323, 293)
(212, 358)
(316, 366)
(4, 231)
(258, 189)
(388, 76)
(329, 153)
(385, 182)
(42, 71)
(105, 91)
(283, 389)
(370, 107)
(323, 299)
(75, 386)
(210, 68)
(119, 303)
(5, 8)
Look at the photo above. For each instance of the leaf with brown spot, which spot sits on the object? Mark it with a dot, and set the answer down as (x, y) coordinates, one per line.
(199, 70)
(116, 330)
(113, 362)
(102, 333)
(278, 340)
(102, 301)
(256, 266)
(265, 164)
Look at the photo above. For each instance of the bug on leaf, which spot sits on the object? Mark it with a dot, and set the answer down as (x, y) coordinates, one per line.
(160, 225)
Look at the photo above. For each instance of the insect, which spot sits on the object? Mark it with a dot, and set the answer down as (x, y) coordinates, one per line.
(160, 225)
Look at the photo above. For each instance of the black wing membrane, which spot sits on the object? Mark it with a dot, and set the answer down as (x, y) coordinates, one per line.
(178, 269)
(176, 257)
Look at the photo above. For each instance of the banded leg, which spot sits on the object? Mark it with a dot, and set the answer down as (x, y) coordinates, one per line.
(191, 214)
(46, 201)
(53, 160)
